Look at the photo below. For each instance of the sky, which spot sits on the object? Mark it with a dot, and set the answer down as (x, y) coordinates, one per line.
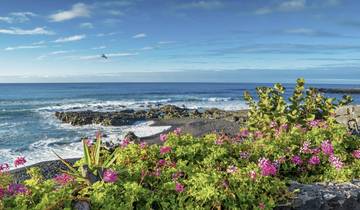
(180, 41)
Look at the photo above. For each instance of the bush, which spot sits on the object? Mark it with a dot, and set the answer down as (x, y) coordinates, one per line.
(296, 141)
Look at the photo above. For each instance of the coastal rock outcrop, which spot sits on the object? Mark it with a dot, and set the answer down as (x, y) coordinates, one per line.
(324, 196)
(128, 117)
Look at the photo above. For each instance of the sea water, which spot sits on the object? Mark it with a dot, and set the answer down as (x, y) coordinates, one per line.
(29, 128)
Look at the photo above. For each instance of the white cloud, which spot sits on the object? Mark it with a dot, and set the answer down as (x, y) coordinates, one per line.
(292, 5)
(23, 47)
(70, 38)
(59, 52)
(263, 11)
(87, 25)
(17, 17)
(77, 10)
(116, 12)
(166, 42)
(301, 31)
(147, 48)
(138, 36)
(19, 31)
(92, 57)
(6, 19)
(98, 48)
(207, 5)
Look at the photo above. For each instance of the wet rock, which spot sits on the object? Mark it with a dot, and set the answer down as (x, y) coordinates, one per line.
(325, 196)
(81, 205)
(132, 137)
(129, 116)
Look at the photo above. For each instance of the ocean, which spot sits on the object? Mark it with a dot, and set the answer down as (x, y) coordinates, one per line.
(29, 128)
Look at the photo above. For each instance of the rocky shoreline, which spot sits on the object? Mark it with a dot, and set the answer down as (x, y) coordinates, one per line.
(340, 90)
(130, 116)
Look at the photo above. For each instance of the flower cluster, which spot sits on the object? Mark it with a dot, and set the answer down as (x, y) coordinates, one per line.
(267, 167)
(110, 176)
(19, 161)
(64, 179)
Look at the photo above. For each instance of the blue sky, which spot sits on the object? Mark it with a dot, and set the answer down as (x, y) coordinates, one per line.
(180, 41)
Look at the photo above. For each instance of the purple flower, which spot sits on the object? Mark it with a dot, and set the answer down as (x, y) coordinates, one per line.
(356, 154)
(179, 187)
(244, 133)
(177, 131)
(110, 176)
(336, 162)
(165, 149)
(327, 148)
(314, 160)
(19, 161)
(296, 160)
(64, 179)
(267, 167)
(15, 189)
(163, 137)
(284, 127)
(231, 169)
(225, 184)
(177, 175)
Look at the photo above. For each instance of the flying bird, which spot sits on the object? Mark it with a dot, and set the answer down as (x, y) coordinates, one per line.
(104, 56)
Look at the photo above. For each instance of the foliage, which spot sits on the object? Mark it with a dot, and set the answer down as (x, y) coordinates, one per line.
(299, 141)
(303, 107)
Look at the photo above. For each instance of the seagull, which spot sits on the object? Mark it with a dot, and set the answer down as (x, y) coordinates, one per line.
(104, 56)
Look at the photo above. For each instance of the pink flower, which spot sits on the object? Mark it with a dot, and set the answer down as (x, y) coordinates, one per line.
(262, 206)
(64, 179)
(161, 162)
(110, 176)
(157, 172)
(163, 137)
(177, 131)
(336, 162)
(124, 143)
(244, 133)
(179, 187)
(356, 154)
(244, 155)
(177, 175)
(306, 148)
(296, 160)
(165, 149)
(314, 123)
(219, 141)
(267, 167)
(4, 167)
(19, 161)
(231, 169)
(252, 175)
(88, 142)
(314, 160)
(315, 150)
(143, 145)
(327, 148)
(273, 124)
(258, 134)
(2, 193)
(16, 189)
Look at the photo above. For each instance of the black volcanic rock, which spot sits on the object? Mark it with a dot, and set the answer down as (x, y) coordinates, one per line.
(128, 117)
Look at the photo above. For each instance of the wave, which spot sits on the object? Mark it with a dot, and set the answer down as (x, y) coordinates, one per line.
(68, 147)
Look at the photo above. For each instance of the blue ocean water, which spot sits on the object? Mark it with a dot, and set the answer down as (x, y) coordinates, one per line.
(28, 126)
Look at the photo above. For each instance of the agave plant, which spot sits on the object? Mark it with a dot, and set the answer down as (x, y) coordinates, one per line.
(93, 165)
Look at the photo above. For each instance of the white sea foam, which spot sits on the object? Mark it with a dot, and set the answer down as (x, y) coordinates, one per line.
(42, 150)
